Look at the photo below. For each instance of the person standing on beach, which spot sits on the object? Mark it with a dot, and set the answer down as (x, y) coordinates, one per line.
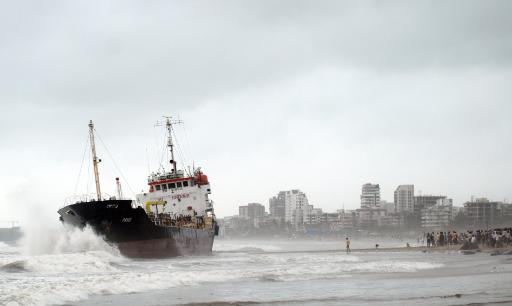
(347, 242)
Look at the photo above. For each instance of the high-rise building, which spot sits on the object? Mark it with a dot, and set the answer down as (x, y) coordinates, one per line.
(277, 206)
(296, 207)
(256, 210)
(370, 196)
(252, 211)
(426, 201)
(439, 215)
(404, 198)
(481, 213)
(505, 212)
(243, 211)
(313, 215)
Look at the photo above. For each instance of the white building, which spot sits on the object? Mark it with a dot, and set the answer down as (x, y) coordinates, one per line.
(437, 216)
(313, 215)
(370, 195)
(456, 210)
(444, 201)
(296, 207)
(404, 198)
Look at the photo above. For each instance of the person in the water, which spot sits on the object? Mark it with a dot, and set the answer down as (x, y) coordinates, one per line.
(347, 242)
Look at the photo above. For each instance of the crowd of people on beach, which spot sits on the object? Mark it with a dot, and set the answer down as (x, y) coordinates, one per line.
(495, 238)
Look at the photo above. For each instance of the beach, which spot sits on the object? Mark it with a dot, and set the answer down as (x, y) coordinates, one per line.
(245, 272)
(409, 276)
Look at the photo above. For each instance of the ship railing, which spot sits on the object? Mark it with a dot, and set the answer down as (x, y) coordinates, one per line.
(166, 175)
(90, 197)
(168, 220)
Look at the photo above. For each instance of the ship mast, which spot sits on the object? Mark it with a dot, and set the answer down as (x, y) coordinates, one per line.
(170, 144)
(95, 160)
(119, 190)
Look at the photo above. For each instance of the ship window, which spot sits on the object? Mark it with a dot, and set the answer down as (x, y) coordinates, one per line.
(157, 187)
(178, 184)
(164, 187)
(172, 185)
(185, 184)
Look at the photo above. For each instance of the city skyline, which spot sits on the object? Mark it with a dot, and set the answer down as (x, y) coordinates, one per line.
(271, 200)
(291, 212)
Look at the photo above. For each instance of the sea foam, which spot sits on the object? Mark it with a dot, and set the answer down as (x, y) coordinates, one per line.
(79, 264)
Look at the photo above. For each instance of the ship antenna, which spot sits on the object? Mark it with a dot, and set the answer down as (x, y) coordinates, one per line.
(95, 160)
(169, 122)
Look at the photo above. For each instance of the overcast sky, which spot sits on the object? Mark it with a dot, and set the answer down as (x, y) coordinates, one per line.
(322, 96)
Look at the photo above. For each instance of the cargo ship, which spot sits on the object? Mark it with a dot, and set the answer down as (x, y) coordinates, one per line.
(175, 217)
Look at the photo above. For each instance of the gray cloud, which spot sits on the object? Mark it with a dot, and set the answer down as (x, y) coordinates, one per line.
(126, 53)
(394, 91)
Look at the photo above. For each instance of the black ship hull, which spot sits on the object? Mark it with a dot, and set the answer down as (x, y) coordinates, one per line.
(134, 233)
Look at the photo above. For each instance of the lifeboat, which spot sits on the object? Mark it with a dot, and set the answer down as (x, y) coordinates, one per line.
(201, 179)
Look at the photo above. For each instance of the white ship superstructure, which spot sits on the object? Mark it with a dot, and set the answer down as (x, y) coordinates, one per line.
(175, 193)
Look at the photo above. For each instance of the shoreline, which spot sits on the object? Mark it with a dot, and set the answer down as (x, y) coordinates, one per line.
(476, 275)
(423, 249)
(485, 249)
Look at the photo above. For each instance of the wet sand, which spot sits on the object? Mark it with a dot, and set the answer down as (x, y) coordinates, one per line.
(423, 249)
(482, 248)
(479, 279)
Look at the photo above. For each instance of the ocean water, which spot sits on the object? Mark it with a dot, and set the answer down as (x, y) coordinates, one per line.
(75, 267)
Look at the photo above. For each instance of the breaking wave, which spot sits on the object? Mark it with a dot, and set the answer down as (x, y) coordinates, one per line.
(71, 277)
(14, 267)
(71, 265)
(244, 247)
(6, 249)
(247, 250)
(59, 239)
